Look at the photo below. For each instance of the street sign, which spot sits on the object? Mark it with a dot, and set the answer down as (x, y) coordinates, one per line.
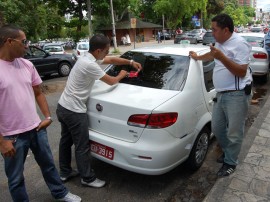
(194, 18)
(133, 22)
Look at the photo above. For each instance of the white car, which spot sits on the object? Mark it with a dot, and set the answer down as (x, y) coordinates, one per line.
(259, 62)
(54, 48)
(81, 48)
(158, 118)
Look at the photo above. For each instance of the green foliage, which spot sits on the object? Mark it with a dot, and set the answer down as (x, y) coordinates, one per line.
(176, 11)
(44, 19)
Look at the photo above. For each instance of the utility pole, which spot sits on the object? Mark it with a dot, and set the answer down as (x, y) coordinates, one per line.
(113, 28)
(89, 18)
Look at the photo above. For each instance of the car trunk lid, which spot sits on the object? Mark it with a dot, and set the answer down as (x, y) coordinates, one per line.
(109, 108)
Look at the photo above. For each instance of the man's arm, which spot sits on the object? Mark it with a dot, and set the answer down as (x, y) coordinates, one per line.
(43, 105)
(6, 147)
(122, 61)
(205, 57)
(111, 80)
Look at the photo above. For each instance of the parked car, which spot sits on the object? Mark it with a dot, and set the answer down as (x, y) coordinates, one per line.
(256, 29)
(156, 119)
(259, 62)
(185, 36)
(198, 34)
(165, 36)
(54, 48)
(208, 38)
(81, 48)
(47, 64)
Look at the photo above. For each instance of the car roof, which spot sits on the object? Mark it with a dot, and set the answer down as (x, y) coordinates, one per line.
(176, 49)
(53, 44)
(252, 34)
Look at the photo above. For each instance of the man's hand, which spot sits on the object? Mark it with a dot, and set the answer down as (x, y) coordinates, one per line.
(137, 66)
(6, 148)
(216, 53)
(123, 74)
(193, 55)
(44, 124)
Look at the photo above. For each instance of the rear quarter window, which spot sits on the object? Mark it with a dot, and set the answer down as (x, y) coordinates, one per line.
(160, 71)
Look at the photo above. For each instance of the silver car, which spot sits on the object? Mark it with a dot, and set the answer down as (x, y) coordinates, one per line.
(259, 62)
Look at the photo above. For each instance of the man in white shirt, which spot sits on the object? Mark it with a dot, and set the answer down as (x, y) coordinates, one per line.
(71, 109)
(232, 80)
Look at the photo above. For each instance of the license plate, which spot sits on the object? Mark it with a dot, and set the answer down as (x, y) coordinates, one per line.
(102, 150)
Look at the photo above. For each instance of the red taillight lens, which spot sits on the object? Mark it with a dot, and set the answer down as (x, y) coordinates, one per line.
(153, 121)
(78, 52)
(260, 55)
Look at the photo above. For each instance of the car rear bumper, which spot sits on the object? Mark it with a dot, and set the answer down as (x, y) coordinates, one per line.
(146, 156)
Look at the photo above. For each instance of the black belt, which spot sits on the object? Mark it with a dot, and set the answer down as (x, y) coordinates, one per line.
(229, 91)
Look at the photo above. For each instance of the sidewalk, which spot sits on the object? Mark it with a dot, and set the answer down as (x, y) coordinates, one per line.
(251, 180)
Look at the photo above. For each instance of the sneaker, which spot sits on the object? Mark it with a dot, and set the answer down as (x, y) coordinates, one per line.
(226, 170)
(71, 198)
(73, 173)
(97, 183)
(221, 158)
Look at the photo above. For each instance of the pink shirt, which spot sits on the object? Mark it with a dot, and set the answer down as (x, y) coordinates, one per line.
(17, 100)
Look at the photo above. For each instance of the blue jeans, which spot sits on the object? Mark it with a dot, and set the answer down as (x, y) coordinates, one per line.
(74, 130)
(228, 123)
(14, 166)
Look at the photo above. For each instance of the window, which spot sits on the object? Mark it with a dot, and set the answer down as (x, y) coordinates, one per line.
(161, 71)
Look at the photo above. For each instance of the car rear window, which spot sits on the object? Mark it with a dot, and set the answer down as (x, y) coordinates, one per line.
(53, 48)
(208, 34)
(83, 46)
(254, 41)
(160, 71)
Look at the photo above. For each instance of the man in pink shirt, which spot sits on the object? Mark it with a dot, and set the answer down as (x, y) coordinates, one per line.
(20, 126)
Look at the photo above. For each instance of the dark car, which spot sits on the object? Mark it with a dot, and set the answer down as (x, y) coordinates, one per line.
(165, 36)
(184, 36)
(208, 38)
(47, 64)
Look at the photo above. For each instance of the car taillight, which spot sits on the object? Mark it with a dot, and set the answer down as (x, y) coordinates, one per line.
(153, 121)
(260, 55)
(78, 52)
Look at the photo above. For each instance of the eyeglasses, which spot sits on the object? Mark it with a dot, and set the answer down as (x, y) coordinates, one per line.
(25, 42)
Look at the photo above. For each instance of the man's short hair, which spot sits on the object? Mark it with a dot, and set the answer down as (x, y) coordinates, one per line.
(223, 20)
(8, 31)
(98, 41)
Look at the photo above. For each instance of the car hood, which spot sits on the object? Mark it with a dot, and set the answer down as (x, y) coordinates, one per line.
(109, 108)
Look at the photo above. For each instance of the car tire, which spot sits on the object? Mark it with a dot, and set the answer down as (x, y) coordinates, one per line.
(204, 44)
(199, 150)
(265, 78)
(64, 69)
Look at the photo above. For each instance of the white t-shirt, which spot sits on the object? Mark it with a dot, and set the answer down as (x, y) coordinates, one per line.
(238, 50)
(80, 83)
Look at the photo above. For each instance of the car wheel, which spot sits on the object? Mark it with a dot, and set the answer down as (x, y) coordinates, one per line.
(199, 150)
(64, 69)
(204, 44)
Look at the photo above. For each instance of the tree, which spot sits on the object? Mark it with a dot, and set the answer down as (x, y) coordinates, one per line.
(177, 11)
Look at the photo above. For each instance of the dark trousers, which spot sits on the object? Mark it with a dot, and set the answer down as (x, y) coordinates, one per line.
(74, 128)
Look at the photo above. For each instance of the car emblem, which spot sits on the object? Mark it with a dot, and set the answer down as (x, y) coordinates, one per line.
(99, 107)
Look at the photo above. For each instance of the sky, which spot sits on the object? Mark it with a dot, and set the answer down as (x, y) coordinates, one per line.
(262, 3)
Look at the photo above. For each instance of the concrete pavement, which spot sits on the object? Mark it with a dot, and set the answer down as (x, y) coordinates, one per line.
(251, 180)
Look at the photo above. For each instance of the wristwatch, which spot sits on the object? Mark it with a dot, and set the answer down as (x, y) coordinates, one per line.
(49, 118)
